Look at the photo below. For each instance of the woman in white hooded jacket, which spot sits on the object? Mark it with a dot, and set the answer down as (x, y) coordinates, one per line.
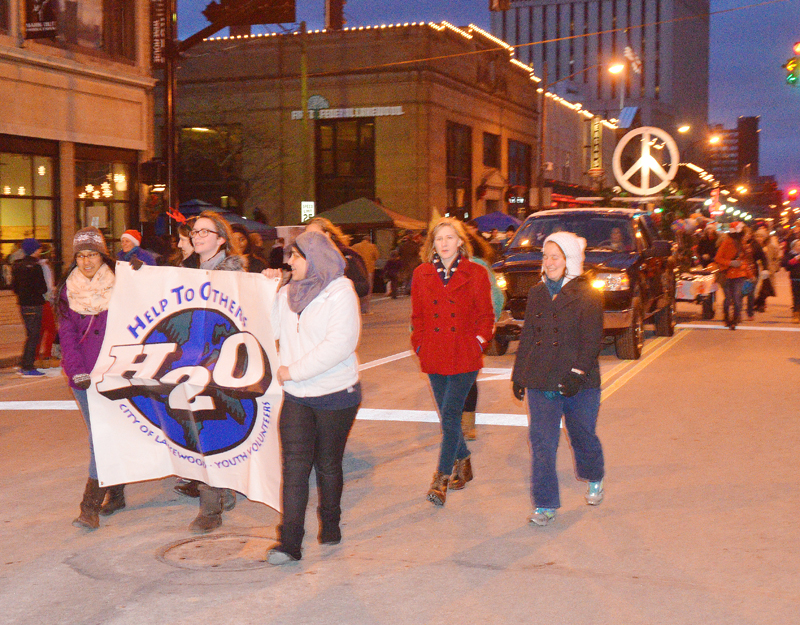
(316, 322)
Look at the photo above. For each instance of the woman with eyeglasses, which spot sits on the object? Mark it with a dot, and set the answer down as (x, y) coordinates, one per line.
(316, 321)
(211, 238)
(83, 298)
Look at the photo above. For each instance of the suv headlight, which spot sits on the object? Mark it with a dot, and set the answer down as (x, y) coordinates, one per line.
(611, 282)
(501, 281)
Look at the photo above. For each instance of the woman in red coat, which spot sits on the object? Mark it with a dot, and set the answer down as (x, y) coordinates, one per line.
(452, 322)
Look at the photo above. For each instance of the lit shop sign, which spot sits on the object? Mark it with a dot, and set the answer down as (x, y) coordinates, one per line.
(367, 111)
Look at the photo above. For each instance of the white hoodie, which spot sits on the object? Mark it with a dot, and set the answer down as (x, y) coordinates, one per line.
(318, 345)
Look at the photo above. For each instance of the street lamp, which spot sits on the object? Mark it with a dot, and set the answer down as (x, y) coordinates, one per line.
(684, 129)
(618, 68)
(545, 86)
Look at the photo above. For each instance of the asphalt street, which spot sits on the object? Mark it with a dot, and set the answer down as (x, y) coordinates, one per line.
(699, 524)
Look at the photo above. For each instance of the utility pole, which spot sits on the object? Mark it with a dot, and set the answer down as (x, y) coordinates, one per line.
(308, 184)
(170, 83)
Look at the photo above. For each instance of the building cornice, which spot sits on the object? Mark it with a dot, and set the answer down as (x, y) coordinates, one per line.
(71, 67)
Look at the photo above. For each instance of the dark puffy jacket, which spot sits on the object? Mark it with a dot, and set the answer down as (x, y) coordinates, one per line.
(560, 334)
(27, 280)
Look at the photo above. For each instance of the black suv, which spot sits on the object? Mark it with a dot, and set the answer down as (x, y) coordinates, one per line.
(628, 262)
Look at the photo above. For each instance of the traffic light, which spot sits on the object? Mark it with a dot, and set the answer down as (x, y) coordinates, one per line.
(248, 12)
(792, 66)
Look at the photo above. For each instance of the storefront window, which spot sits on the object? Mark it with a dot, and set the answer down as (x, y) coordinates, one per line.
(459, 170)
(210, 165)
(345, 157)
(519, 174)
(104, 25)
(103, 197)
(26, 199)
(3, 16)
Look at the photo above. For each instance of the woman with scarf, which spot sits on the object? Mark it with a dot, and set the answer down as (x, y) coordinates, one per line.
(557, 364)
(317, 324)
(211, 239)
(83, 299)
(452, 322)
(735, 262)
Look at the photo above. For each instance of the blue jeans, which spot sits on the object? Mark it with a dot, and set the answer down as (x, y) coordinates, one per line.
(450, 392)
(32, 316)
(733, 296)
(83, 403)
(580, 417)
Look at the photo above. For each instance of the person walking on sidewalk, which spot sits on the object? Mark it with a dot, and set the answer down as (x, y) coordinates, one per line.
(317, 324)
(27, 280)
(452, 323)
(82, 305)
(792, 263)
(557, 366)
(735, 261)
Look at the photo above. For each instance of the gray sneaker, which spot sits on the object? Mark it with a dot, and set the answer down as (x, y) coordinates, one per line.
(542, 516)
(594, 493)
(276, 557)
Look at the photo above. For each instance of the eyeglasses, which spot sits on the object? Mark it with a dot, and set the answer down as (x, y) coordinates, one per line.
(202, 233)
(89, 256)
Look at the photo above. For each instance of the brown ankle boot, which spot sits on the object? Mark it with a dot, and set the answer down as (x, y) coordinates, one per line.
(438, 490)
(468, 426)
(90, 506)
(210, 515)
(462, 473)
(115, 500)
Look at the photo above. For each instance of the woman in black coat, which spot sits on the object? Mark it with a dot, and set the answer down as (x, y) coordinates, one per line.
(557, 363)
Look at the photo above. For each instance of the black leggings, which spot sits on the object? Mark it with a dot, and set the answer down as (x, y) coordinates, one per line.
(472, 399)
(311, 437)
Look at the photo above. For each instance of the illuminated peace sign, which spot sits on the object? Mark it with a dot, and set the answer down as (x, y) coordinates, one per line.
(647, 163)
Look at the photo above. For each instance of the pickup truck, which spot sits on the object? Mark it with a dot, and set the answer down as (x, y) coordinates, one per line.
(626, 259)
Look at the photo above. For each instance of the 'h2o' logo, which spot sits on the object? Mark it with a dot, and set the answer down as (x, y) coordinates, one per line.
(196, 377)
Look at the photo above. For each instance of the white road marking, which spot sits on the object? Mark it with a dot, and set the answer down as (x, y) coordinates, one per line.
(708, 326)
(430, 416)
(383, 361)
(38, 405)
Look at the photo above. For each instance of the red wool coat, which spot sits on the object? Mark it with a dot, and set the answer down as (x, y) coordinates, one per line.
(446, 321)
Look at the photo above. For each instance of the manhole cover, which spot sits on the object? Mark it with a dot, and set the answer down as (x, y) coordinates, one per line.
(218, 552)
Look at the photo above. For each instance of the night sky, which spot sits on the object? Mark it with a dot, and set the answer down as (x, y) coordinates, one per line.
(748, 47)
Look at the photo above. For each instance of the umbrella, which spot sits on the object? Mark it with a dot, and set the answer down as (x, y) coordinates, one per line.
(497, 219)
(195, 207)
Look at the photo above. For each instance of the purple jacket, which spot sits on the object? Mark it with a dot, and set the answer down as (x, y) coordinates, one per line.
(81, 338)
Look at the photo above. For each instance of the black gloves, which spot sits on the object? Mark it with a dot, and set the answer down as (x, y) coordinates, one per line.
(82, 380)
(519, 391)
(571, 384)
(136, 263)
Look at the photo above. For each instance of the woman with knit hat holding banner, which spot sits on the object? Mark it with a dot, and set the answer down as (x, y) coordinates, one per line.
(557, 364)
(82, 304)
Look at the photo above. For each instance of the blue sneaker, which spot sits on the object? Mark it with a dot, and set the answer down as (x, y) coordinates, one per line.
(29, 373)
(542, 516)
(594, 493)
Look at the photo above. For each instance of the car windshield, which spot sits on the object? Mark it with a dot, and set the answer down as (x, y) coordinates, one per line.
(601, 232)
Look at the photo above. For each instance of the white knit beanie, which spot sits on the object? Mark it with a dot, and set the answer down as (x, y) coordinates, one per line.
(572, 246)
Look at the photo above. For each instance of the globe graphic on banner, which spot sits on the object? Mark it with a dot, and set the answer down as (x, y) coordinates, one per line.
(199, 335)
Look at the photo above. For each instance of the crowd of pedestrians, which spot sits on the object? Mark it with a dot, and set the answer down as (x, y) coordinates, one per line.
(324, 288)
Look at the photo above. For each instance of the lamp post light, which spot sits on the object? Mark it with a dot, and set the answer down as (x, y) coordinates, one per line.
(617, 69)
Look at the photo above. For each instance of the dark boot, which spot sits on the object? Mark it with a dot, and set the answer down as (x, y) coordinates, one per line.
(468, 426)
(210, 516)
(90, 506)
(115, 500)
(438, 490)
(329, 531)
(290, 538)
(189, 488)
(228, 499)
(462, 473)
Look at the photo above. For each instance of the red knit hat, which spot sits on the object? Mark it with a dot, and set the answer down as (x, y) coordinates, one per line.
(134, 235)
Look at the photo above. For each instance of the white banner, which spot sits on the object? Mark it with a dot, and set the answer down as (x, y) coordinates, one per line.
(184, 382)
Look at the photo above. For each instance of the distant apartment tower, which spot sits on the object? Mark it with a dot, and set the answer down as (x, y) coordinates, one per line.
(734, 158)
(582, 39)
